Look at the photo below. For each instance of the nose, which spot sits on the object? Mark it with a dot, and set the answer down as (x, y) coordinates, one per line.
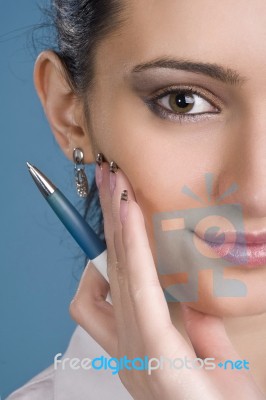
(245, 164)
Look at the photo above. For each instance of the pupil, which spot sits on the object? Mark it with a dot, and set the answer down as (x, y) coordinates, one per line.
(181, 101)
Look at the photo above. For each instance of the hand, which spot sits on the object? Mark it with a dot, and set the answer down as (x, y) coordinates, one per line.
(138, 323)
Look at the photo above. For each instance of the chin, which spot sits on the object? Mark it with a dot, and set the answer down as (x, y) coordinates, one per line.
(253, 303)
(228, 307)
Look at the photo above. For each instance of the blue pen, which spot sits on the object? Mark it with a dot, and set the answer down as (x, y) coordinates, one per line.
(86, 238)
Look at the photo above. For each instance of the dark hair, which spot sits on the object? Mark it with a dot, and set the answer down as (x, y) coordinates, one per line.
(79, 26)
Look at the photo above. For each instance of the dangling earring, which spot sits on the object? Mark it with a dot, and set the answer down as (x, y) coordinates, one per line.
(80, 175)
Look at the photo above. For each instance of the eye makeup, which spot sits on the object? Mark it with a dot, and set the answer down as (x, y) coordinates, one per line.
(147, 83)
(153, 103)
(152, 86)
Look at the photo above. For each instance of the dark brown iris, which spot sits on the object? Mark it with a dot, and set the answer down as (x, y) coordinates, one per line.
(181, 103)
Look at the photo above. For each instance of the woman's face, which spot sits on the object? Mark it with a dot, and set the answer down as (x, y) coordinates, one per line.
(216, 54)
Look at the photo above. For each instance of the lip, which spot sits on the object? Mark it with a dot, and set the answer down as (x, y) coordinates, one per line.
(247, 250)
(236, 237)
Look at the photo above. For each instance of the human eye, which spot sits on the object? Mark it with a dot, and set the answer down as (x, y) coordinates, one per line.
(184, 104)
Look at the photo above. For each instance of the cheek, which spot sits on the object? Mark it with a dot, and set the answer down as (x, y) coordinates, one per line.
(158, 157)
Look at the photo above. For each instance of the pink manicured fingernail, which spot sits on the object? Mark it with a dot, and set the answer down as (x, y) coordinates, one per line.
(123, 205)
(98, 175)
(112, 182)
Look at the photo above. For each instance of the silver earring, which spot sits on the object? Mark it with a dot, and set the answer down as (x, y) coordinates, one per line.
(80, 175)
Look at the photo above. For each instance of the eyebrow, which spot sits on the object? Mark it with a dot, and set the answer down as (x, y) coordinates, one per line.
(216, 71)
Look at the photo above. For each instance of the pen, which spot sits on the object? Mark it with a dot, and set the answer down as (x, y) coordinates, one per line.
(86, 238)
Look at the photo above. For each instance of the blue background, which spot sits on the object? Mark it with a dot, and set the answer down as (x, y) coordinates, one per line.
(40, 262)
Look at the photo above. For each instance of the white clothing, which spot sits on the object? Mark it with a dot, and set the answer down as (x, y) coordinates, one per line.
(71, 384)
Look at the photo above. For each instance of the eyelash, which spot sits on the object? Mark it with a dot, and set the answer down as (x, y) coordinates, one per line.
(166, 114)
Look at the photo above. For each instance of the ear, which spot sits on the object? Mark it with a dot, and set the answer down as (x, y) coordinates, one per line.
(63, 108)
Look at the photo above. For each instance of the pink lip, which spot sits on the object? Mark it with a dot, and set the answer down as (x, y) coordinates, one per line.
(239, 246)
(237, 237)
(252, 238)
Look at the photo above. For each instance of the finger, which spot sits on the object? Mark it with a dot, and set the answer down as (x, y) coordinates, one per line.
(126, 304)
(90, 310)
(146, 294)
(106, 201)
(121, 183)
(106, 205)
(209, 339)
(207, 334)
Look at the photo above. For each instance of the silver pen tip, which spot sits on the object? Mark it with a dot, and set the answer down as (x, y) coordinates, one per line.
(29, 165)
(43, 183)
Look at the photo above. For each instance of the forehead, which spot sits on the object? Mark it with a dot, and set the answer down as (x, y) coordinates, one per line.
(226, 32)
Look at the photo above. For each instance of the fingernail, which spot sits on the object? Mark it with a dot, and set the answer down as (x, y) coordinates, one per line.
(113, 170)
(98, 175)
(113, 167)
(112, 182)
(123, 205)
(99, 159)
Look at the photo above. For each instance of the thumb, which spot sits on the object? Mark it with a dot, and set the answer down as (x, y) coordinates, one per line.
(210, 340)
(207, 334)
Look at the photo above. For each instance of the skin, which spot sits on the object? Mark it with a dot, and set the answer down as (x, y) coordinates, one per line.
(158, 156)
